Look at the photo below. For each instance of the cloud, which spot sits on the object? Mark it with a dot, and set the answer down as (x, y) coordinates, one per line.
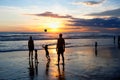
(96, 25)
(111, 13)
(97, 22)
(89, 3)
(50, 14)
(87, 25)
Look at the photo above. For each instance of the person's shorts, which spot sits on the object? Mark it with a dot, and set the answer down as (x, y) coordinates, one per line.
(60, 50)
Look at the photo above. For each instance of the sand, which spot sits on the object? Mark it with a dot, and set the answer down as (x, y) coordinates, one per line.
(81, 63)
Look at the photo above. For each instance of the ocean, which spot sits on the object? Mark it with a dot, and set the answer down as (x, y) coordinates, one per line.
(18, 41)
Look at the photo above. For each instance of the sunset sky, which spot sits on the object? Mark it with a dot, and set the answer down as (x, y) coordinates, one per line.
(60, 15)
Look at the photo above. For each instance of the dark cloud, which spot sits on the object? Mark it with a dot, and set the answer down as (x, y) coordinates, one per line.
(90, 3)
(111, 13)
(50, 14)
(97, 22)
(96, 25)
(93, 2)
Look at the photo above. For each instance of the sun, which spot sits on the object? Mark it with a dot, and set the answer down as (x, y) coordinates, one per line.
(54, 25)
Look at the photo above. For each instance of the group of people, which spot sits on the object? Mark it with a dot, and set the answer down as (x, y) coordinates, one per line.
(60, 48)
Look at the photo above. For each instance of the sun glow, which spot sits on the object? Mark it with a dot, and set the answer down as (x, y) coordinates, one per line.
(54, 25)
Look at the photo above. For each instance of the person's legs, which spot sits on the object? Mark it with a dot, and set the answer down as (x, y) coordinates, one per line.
(62, 57)
(31, 54)
(36, 59)
(58, 58)
(48, 57)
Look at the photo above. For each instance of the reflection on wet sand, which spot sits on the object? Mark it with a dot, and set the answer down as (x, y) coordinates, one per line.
(83, 61)
(47, 69)
(36, 68)
(33, 69)
(61, 73)
(54, 71)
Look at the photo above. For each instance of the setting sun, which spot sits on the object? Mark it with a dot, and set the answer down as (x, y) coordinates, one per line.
(54, 25)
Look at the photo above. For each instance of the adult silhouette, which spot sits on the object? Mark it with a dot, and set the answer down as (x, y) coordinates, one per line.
(60, 48)
(96, 44)
(119, 41)
(31, 47)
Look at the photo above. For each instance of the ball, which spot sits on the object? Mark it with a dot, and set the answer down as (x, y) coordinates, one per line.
(45, 30)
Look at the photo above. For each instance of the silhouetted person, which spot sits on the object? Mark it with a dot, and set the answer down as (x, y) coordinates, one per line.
(47, 52)
(31, 47)
(36, 56)
(118, 41)
(114, 39)
(61, 73)
(96, 48)
(60, 48)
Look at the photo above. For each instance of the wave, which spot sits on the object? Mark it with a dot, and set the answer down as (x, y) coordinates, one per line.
(68, 45)
(20, 36)
(17, 41)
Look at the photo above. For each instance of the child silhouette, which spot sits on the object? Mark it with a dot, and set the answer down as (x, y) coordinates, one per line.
(47, 52)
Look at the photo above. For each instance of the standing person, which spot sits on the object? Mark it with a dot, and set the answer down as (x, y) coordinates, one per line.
(31, 47)
(60, 48)
(96, 44)
(119, 41)
(47, 52)
(114, 39)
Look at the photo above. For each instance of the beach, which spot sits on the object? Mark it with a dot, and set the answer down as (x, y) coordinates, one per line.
(81, 63)
(59, 39)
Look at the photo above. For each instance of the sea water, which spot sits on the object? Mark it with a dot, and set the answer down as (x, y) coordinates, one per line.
(18, 41)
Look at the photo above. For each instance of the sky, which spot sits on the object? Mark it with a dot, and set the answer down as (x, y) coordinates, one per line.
(59, 15)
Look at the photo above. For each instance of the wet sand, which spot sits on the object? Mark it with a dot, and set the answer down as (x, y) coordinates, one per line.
(81, 63)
